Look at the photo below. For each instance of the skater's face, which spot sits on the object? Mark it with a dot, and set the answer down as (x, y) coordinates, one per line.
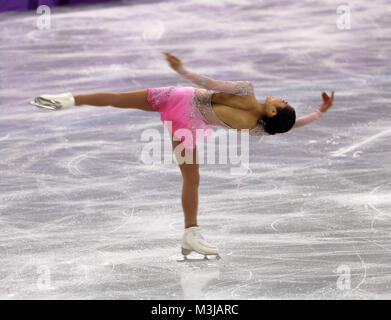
(278, 102)
(271, 105)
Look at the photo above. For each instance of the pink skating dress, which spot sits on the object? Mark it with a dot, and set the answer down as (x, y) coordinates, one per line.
(187, 112)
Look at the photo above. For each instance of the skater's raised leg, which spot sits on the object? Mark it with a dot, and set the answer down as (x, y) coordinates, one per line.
(136, 99)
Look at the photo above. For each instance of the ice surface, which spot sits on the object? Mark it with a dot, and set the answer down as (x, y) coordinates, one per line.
(83, 217)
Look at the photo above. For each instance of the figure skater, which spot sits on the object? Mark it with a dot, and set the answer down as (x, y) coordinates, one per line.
(229, 104)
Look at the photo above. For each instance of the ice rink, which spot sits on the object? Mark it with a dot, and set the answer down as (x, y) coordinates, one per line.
(83, 217)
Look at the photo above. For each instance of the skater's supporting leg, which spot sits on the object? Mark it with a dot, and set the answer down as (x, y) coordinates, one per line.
(133, 99)
(191, 181)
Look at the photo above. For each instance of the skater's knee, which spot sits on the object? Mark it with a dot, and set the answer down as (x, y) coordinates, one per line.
(191, 178)
(116, 99)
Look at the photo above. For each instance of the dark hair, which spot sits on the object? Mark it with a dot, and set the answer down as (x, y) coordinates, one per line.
(282, 122)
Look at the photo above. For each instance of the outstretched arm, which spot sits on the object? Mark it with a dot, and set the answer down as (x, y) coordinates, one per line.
(327, 103)
(304, 120)
(259, 129)
(240, 88)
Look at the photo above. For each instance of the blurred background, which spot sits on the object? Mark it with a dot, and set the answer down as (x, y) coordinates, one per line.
(22, 5)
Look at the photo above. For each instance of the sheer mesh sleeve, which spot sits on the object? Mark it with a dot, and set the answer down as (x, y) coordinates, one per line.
(239, 88)
(302, 121)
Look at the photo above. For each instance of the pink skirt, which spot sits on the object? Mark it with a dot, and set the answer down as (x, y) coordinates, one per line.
(178, 110)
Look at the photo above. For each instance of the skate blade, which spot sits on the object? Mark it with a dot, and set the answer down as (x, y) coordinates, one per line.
(51, 107)
(205, 258)
(45, 103)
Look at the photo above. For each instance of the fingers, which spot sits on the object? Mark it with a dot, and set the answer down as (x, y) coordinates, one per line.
(171, 57)
(326, 97)
(168, 55)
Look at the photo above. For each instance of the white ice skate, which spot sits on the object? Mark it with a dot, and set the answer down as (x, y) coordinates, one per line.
(54, 101)
(192, 240)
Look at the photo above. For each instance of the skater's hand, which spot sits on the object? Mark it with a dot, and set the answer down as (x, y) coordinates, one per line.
(174, 62)
(327, 101)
